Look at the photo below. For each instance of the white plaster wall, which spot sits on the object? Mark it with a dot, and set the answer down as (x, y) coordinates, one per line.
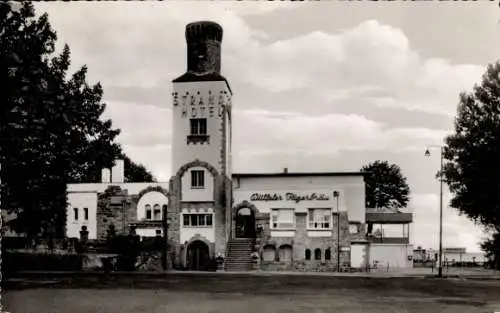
(152, 198)
(81, 200)
(186, 233)
(351, 189)
(283, 233)
(358, 256)
(315, 233)
(147, 232)
(300, 207)
(396, 255)
(182, 152)
(229, 165)
(197, 194)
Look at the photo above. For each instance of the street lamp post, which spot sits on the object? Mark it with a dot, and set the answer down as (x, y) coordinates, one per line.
(428, 153)
(336, 196)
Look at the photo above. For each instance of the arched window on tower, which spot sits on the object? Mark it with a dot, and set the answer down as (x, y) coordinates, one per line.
(148, 211)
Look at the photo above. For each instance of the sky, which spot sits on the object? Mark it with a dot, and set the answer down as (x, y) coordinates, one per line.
(317, 86)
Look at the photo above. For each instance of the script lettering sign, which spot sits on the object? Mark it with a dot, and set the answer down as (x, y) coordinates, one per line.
(289, 196)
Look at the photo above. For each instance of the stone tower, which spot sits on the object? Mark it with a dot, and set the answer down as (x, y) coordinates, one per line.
(200, 190)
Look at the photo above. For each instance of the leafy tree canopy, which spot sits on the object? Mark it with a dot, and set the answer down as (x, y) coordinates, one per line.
(472, 154)
(386, 186)
(51, 131)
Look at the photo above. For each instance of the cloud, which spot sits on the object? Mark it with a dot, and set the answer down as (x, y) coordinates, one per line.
(370, 63)
(298, 133)
(458, 231)
(370, 58)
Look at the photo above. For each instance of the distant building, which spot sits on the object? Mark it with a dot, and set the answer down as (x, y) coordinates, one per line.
(289, 221)
(452, 256)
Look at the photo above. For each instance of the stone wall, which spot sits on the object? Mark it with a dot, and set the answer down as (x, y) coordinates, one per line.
(220, 215)
(299, 266)
(301, 242)
(173, 215)
(113, 208)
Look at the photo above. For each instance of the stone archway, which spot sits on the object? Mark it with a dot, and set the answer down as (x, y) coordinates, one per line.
(197, 163)
(198, 256)
(244, 220)
(199, 250)
(177, 179)
(159, 189)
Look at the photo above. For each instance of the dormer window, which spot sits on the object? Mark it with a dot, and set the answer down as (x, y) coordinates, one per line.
(198, 131)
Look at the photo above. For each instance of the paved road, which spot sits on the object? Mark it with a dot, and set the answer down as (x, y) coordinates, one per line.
(215, 292)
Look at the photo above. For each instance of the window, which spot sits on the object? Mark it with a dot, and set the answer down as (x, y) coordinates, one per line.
(308, 254)
(197, 179)
(75, 212)
(198, 126)
(148, 211)
(158, 232)
(282, 218)
(317, 254)
(353, 228)
(86, 213)
(156, 212)
(197, 220)
(319, 219)
(328, 254)
(285, 253)
(269, 253)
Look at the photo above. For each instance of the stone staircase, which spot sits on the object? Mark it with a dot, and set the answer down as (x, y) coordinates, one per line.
(239, 257)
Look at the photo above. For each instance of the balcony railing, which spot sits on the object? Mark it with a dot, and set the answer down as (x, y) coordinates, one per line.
(389, 218)
(389, 240)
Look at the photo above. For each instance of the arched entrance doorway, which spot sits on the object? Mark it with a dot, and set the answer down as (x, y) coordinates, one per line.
(245, 223)
(198, 258)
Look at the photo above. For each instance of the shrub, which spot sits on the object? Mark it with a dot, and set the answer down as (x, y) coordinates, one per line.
(15, 262)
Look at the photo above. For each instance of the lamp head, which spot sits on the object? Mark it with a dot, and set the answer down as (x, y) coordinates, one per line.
(427, 152)
(335, 194)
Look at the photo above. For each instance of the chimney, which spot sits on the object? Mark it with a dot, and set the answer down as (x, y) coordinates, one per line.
(285, 170)
(105, 175)
(118, 172)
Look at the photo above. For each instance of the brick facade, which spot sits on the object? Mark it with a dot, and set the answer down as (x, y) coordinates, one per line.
(301, 242)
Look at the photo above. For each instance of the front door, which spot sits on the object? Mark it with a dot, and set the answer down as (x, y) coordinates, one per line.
(245, 224)
(198, 256)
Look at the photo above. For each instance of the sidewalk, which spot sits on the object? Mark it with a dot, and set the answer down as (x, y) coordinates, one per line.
(480, 274)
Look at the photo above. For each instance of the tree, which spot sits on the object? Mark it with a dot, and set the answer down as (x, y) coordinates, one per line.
(51, 131)
(471, 153)
(385, 186)
(136, 173)
(31, 180)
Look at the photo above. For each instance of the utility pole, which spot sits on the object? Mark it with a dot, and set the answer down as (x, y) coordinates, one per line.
(440, 256)
(336, 195)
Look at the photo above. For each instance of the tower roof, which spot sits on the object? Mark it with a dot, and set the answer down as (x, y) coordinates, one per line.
(203, 31)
